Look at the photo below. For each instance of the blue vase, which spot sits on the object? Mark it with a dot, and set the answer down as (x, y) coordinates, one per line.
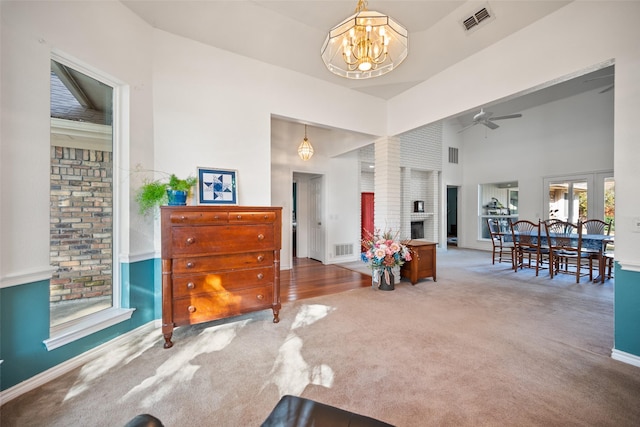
(177, 197)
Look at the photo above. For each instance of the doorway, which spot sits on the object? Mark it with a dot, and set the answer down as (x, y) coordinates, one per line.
(452, 216)
(308, 217)
(366, 217)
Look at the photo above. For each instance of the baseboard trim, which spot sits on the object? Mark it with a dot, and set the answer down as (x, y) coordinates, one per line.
(629, 358)
(73, 363)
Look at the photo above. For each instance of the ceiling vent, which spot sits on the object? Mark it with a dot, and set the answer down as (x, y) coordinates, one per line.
(473, 21)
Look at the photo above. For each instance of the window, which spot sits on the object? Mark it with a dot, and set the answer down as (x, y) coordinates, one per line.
(85, 288)
(610, 202)
(568, 200)
(580, 197)
(499, 201)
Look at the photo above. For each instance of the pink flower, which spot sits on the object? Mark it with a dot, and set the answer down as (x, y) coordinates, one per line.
(380, 253)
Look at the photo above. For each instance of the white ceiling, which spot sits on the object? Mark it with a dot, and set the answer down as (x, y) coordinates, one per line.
(290, 33)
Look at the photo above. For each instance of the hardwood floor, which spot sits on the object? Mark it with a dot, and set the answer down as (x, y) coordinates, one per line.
(309, 278)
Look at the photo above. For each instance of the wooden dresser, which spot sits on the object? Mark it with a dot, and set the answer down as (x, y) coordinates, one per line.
(217, 262)
(423, 262)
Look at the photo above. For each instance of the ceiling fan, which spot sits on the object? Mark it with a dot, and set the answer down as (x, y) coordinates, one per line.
(484, 117)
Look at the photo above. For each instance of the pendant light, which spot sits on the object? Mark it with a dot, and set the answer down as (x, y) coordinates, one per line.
(305, 150)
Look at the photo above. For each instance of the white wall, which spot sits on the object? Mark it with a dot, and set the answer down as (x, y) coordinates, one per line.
(220, 114)
(341, 209)
(575, 38)
(217, 107)
(192, 105)
(565, 137)
(84, 32)
(343, 206)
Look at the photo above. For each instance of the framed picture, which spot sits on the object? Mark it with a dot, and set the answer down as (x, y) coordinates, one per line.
(217, 186)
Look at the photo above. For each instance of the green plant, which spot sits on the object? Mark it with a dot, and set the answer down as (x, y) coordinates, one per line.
(154, 193)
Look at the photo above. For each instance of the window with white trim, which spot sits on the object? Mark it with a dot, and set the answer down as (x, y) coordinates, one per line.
(85, 287)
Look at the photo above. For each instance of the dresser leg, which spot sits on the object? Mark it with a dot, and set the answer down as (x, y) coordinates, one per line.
(276, 313)
(167, 340)
(167, 332)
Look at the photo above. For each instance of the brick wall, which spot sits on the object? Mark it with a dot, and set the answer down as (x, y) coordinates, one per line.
(81, 223)
(419, 171)
(422, 157)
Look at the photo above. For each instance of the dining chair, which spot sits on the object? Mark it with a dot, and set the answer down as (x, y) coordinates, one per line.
(608, 259)
(528, 245)
(501, 247)
(565, 247)
(597, 226)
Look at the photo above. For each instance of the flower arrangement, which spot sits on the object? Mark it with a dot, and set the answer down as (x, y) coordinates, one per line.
(384, 250)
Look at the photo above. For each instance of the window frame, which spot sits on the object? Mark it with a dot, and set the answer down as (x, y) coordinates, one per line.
(488, 190)
(87, 325)
(595, 190)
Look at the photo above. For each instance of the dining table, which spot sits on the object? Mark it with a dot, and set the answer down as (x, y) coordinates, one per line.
(592, 242)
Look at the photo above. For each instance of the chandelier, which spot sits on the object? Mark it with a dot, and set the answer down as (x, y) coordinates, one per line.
(305, 150)
(366, 44)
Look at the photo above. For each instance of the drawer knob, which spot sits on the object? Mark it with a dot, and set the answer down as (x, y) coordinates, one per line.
(191, 240)
(183, 218)
(260, 236)
(266, 217)
(191, 264)
(260, 276)
(260, 258)
(239, 217)
(260, 297)
(191, 285)
(216, 217)
(192, 309)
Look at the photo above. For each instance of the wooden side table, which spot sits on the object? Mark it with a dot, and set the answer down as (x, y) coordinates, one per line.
(423, 261)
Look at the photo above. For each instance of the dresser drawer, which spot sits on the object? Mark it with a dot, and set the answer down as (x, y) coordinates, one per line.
(222, 239)
(221, 281)
(244, 217)
(195, 264)
(217, 305)
(198, 217)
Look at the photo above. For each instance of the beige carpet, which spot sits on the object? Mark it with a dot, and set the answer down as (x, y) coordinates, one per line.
(482, 346)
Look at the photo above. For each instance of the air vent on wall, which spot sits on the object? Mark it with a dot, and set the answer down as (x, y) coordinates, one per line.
(483, 15)
(453, 155)
(343, 249)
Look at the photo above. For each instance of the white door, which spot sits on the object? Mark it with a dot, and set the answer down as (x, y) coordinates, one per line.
(316, 221)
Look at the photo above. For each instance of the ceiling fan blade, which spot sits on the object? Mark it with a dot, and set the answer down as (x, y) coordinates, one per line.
(467, 127)
(490, 124)
(509, 116)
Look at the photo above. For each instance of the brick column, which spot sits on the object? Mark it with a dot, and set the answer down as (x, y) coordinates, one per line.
(387, 184)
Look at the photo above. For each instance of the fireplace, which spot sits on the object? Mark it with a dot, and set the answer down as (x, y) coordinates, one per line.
(417, 229)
